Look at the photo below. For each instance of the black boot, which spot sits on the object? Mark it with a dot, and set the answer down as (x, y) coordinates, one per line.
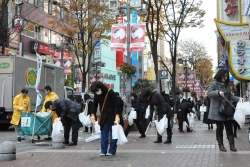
(208, 127)
(90, 130)
(211, 126)
(142, 136)
(86, 129)
(169, 138)
(220, 143)
(231, 143)
(159, 140)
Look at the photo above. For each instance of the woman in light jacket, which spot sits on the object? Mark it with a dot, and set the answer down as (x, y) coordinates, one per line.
(21, 104)
(217, 89)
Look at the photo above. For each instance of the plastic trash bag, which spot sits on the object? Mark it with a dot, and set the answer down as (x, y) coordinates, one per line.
(85, 120)
(57, 127)
(191, 120)
(131, 117)
(162, 124)
(97, 127)
(121, 138)
(240, 112)
(115, 130)
(42, 114)
(147, 113)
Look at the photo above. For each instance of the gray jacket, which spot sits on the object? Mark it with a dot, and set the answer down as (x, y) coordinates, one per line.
(213, 94)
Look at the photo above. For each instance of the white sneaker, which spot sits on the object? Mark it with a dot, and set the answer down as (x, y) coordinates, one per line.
(102, 154)
(109, 154)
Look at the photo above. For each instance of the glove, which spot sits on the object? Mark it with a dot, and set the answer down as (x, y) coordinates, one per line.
(21, 108)
(117, 118)
(92, 118)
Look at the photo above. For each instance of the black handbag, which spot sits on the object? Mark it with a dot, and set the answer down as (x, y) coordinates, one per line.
(226, 107)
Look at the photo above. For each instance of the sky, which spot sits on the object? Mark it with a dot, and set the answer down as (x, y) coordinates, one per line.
(206, 34)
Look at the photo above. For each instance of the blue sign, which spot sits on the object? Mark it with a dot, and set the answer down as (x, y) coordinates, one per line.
(135, 54)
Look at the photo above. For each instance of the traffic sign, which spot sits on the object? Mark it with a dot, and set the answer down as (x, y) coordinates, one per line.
(163, 74)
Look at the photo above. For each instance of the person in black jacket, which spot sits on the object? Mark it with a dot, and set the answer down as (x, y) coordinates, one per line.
(143, 108)
(182, 111)
(206, 120)
(135, 104)
(156, 99)
(89, 103)
(68, 112)
(110, 114)
(120, 107)
(178, 102)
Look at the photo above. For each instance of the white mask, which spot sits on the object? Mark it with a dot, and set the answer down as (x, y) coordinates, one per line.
(99, 92)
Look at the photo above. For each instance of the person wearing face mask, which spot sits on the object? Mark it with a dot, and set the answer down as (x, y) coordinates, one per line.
(107, 100)
(136, 106)
(220, 88)
(21, 104)
(155, 99)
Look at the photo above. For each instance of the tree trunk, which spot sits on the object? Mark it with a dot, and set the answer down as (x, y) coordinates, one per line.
(84, 80)
(155, 59)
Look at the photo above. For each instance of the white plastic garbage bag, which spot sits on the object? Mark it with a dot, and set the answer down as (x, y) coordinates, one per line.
(115, 130)
(191, 120)
(131, 117)
(97, 127)
(240, 112)
(57, 127)
(147, 113)
(121, 138)
(162, 124)
(85, 120)
(42, 114)
(202, 110)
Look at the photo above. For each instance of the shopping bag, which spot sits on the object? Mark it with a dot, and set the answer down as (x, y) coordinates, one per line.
(57, 127)
(115, 131)
(121, 138)
(191, 120)
(162, 124)
(240, 112)
(131, 117)
(85, 120)
(97, 127)
(133, 113)
(147, 113)
(80, 116)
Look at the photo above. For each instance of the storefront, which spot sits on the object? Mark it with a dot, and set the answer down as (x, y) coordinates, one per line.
(111, 79)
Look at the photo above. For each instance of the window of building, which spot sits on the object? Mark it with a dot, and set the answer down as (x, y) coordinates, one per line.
(39, 4)
(46, 35)
(39, 32)
(53, 37)
(30, 1)
(28, 28)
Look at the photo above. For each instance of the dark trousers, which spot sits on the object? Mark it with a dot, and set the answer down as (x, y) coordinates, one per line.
(139, 127)
(143, 121)
(220, 126)
(169, 129)
(75, 127)
(236, 125)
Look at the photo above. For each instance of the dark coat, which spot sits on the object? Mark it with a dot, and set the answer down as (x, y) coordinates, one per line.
(183, 110)
(120, 109)
(90, 104)
(110, 108)
(178, 103)
(157, 100)
(213, 94)
(66, 108)
(168, 99)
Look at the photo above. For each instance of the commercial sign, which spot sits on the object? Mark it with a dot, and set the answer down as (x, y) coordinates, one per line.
(239, 59)
(235, 31)
(182, 77)
(118, 37)
(163, 74)
(65, 63)
(46, 50)
(229, 10)
(14, 37)
(30, 77)
(137, 37)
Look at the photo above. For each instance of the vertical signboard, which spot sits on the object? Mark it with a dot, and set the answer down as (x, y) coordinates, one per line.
(135, 54)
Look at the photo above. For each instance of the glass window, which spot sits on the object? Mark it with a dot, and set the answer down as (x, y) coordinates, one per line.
(53, 37)
(40, 33)
(46, 35)
(40, 3)
(30, 1)
(28, 29)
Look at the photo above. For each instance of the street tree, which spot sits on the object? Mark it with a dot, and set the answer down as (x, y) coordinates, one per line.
(90, 22)
(141, 84)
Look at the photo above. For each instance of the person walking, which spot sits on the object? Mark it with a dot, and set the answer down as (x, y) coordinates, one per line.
(50, 96)
(206, 120)
(107, 101)
(143, 108)
(135, 104)
(162, 108)
(182, 111)
(178, 102)
(219, 88)
(21, 103)
(88, 104)
(68, 112)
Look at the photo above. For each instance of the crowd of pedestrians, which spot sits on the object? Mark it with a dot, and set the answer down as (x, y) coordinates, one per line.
(108, 108)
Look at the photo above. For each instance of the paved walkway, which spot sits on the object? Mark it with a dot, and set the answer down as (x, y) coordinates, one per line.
(196, 149)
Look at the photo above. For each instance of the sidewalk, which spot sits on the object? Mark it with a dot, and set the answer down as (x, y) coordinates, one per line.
(196, 149)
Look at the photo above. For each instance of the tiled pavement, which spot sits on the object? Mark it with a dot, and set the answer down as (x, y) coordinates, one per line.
(196, 149)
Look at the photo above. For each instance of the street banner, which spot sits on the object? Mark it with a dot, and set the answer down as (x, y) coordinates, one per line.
(92, 78)
(118, 37)
(182, 77)
(38, 76)
(137, 37)
(196, 85)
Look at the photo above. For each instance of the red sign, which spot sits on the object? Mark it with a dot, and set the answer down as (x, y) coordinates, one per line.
(137, 37)
(65, 62)
(230, 10)
(182, 77)
(92, 78)
(118, 37)
(45, 49)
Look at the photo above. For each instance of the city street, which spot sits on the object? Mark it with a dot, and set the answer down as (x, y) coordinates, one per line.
(195, 149)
